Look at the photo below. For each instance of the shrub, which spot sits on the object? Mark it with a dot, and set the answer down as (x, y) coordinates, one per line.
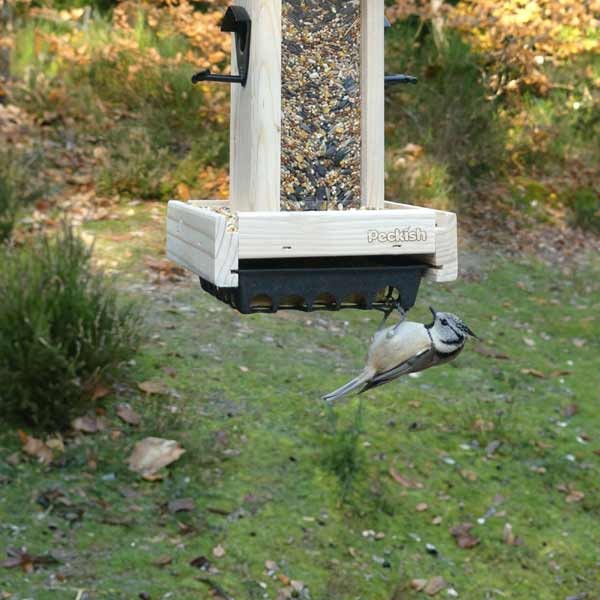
(17, 188)
(7, 208)
(447, 112)
(62, 327)
(585, 209)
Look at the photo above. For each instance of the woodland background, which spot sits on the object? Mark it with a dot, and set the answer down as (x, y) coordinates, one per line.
(478, 480)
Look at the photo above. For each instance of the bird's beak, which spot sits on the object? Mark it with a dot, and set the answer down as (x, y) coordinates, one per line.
(472, 334)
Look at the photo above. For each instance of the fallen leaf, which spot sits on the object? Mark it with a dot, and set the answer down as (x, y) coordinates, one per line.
(570, 410)
(533, 373)
(218, 551)
(100, 391)
(574, 496)
(182, 505)
(404, 481)
(579, 342)
(561, 373)
(153, 387)
(435, 586)
(422, 507)
(468, 475)
(153, 454)
(418, 584)
(463, 537)
(529, 342)
(36, 448)
(88, 424)
(20, 558)
(127, 414)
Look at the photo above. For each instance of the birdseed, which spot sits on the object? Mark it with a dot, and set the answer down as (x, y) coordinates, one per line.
(321, 105)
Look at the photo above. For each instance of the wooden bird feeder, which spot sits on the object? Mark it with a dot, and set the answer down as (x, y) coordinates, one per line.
(306, 225)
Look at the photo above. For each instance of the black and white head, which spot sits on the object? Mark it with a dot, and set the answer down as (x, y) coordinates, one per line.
(448, 332)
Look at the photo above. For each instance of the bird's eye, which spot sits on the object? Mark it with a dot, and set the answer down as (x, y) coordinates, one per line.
(444, 322)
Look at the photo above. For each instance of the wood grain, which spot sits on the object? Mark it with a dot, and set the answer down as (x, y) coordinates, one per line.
(255, 144)
(445, 257)
(197, 239)
(373, 104)
(333, 233)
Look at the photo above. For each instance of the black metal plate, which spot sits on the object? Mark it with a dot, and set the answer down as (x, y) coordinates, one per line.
(321, 284)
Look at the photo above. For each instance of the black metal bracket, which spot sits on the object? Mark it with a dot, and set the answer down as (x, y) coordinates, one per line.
(322, 284)
(236, 20)
(396, 79)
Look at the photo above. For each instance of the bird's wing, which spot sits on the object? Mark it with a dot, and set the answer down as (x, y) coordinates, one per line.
(423, 360)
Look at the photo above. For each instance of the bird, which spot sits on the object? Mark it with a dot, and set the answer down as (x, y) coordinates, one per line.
(408, 347)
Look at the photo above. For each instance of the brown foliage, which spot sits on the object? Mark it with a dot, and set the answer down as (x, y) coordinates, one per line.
(518, 36)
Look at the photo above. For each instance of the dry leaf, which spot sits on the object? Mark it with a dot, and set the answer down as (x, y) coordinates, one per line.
(422, 507)
(153, 454)
(468, 475)
(404, 481)
(533, 373)
(418, 584)
(463, 537)
(435, 586)
(100, 391)
(36, 448)
(570, 410)
(127, 414)
(574, 496)
(89, 424)
(153, 387)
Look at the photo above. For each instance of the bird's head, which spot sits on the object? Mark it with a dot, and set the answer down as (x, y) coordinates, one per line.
(448, 332)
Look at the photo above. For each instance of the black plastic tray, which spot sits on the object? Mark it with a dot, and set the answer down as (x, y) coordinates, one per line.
(311, 284)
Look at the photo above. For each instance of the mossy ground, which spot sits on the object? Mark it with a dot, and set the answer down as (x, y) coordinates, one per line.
(277, 476)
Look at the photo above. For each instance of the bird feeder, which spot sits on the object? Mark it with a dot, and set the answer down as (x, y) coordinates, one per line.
(306, 225)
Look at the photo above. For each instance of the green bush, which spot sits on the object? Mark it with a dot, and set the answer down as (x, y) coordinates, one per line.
(17, 188)
(62, 327)
(447, 112)
(585, 209)
(7, 208)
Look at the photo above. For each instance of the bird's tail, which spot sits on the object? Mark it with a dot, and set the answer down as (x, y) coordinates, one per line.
(357, 384)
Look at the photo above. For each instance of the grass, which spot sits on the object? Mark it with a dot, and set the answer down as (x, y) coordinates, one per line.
(278, 477)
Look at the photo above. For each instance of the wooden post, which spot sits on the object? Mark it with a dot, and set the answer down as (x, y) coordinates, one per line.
(373, 104)
(256, 115)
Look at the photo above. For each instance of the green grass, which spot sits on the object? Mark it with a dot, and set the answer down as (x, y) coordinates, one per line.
(302, 483)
